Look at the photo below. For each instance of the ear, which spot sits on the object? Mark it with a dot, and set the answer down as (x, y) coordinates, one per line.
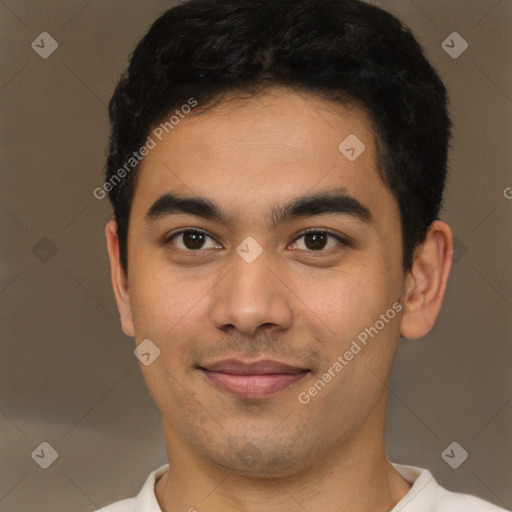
(119, 279)
(425, 284)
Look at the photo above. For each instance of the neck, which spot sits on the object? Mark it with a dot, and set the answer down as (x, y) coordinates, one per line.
(354, 476)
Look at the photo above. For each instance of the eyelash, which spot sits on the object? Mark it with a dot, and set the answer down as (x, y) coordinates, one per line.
(343, 241)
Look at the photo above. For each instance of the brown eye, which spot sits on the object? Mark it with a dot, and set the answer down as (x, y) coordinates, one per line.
(191, 240)
(315, 241)
(318, 241)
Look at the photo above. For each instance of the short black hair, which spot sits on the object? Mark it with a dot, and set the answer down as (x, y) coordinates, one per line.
(346, 51)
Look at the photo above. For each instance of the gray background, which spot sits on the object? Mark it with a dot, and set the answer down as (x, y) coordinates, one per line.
(68, 375)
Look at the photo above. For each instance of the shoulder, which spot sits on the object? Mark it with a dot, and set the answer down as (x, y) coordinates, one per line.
(426, 495)
(120, 506)
(456, 502)
(145, 501)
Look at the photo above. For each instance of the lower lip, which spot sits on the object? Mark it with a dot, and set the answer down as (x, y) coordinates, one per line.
(252, 386)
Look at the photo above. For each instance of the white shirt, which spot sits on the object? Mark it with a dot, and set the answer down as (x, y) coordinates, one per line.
(425, 495)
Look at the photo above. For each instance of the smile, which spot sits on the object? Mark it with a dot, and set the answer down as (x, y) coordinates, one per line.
(252, 386)
(252, 380)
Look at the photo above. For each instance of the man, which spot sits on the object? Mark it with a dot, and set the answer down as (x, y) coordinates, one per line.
(276, 170)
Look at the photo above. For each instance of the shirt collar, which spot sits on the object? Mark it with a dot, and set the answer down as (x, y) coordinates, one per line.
(146, 500)
(423, 484)
(421, 480)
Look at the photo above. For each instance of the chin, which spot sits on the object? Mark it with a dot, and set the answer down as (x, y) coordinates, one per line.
(259, 458)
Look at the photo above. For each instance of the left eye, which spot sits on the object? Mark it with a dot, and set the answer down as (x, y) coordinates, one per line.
(318, 240)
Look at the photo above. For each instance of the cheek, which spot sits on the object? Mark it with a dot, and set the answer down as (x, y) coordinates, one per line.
(351, 304)
(162, 299)
(172, 309)
(352, 295)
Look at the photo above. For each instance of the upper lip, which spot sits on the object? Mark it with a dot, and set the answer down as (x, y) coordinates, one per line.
(266, 366)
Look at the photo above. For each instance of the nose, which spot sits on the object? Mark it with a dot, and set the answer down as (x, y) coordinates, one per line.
(252, 295)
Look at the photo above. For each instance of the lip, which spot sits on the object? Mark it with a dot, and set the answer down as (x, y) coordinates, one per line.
(252, 380)
(265, 366)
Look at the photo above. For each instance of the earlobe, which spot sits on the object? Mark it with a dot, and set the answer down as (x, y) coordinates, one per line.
(119, 279)
(426, 282)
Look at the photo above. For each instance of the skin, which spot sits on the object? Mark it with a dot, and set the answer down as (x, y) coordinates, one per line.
(293, 304)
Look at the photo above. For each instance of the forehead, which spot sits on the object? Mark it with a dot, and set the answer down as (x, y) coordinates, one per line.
(248, 152)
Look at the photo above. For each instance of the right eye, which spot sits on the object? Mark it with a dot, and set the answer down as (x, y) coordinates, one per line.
(191, 240)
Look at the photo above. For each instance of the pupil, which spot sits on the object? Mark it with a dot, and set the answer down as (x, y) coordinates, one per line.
(318, 240)
(193, 240)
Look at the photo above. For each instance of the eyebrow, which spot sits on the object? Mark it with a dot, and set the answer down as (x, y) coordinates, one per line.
(334, 201)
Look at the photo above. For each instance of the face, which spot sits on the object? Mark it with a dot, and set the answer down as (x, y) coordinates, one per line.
(292, 260)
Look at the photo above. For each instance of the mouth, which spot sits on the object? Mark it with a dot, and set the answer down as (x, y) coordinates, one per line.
(252, 380)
